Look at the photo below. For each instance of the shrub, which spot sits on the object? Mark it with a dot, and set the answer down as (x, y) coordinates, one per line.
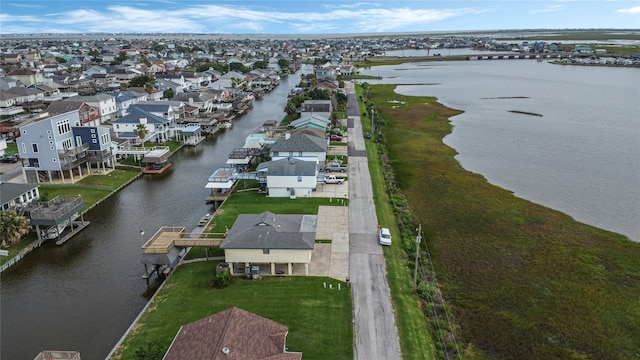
(220, 280)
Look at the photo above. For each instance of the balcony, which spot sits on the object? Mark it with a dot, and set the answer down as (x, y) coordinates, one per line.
(73, 151)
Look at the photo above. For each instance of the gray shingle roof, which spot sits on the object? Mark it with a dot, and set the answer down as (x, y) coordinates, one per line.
(136, 114)
(291, 167)
(271, 231)
(10, 191)
(300, 142)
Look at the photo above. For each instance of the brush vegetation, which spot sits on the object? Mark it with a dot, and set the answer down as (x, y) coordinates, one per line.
(522, 281)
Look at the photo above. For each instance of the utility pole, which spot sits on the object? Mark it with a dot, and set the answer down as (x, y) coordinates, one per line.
(373, 130)
(415, 270)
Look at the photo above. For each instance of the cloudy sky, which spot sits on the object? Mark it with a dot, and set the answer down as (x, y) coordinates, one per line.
(310, 16)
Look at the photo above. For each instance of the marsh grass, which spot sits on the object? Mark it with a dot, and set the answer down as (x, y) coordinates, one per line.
(523, 281)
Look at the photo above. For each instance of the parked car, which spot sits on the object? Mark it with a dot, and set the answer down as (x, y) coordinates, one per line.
(332, 179)
(335, 138)
(384, 237)
(335, 167)
(10, 159)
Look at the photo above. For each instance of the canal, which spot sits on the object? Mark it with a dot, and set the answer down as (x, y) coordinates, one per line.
(84, 294)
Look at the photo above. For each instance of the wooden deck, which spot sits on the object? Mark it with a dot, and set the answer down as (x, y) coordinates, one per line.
(151, 169)
(169, 237)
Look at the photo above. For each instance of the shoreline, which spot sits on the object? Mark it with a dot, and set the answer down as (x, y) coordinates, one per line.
(496, 252)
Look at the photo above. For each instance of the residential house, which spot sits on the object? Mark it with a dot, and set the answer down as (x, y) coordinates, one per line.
(14, 196)
(170, 110)
(311, 120)
(88, 115)
(53, 148)
(27, 76)
(270, 240)
(105, 102)
(124, 99)
(321, 107)
(154, 95)
(159, 129)
(203, 102)
(300, 146)
(174, 78)
(290, 177)
(231, 334)
(9, 104)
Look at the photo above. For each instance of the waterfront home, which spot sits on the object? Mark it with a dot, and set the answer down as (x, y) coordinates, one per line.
(290, 177)
(15, 196)
(300, 146)
(196, 99)
(158, 128)
(27, 76)
(313, 120)
(53, 148)
(126, 98)
(271, 241)
(231, 334)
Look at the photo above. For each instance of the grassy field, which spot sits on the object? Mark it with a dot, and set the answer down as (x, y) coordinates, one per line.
(524, 281)
(252, 202)
(92, 188)
(319, 319)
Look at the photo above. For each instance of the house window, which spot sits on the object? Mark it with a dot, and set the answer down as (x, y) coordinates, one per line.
(51, 148)
(48, 131)
(34, 147)
(67, 144)
(94, 141)
(299, 178)
(93, 130)
(50, 137)
(54, 159)
(64, 127)
(24, 148)
(265, 251)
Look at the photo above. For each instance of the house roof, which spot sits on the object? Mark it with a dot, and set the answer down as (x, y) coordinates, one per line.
(311, 131)
(232, 334)
(270, 231)
(62, 107)
(10, 191)
(299, 142)
(289, 167)
(135, 114)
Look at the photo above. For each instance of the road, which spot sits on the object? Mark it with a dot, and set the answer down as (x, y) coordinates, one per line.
(11, 172)
(375, 334)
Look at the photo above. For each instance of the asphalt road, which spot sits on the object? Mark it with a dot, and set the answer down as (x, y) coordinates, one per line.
(375, 334)
(9, 172)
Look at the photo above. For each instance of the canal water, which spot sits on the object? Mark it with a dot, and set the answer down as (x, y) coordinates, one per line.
(84, 294)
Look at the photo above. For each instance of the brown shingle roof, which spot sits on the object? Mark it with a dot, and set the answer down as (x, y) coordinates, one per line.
(232, 334)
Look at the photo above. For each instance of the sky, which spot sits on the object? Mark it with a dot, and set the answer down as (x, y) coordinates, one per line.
(310, 16)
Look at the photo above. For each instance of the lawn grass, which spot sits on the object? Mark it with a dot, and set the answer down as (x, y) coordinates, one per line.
(253, 202)
(415, 340)
(93, 188)
(319, 318)
(523, 281)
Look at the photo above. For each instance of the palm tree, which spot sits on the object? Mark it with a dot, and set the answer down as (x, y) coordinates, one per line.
(141, 131)
(13, 227)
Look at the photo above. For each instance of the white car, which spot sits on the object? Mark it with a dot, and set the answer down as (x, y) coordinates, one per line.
(384, 236)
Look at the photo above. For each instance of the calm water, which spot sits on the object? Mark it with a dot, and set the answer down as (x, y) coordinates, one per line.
(84, 295)
(582, 156)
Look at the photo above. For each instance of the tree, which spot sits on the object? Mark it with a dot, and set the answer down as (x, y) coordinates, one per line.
(283, 64)
(168, 94)
(13, 227)
(260, 65)
(142, 80)
(141, 131)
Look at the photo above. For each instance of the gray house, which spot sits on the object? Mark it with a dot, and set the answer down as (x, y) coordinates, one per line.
(53, 148)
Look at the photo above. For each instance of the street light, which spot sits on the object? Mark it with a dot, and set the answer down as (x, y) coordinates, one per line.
(141, 237)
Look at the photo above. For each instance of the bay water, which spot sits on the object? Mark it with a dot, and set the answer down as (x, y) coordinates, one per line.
(566, 137)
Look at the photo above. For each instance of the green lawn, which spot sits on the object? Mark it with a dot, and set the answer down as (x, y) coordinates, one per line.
(92, 188)
(319, 318)
(252, 202)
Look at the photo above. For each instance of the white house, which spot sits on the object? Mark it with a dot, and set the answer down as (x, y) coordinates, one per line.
(106, 103)
(300, 146)
(290, 177)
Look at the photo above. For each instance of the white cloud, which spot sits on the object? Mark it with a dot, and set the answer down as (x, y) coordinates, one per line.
(546, 9)
(633, 10)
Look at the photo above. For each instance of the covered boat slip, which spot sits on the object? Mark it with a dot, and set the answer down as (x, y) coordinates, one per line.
(156, 160)
(60, 212)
